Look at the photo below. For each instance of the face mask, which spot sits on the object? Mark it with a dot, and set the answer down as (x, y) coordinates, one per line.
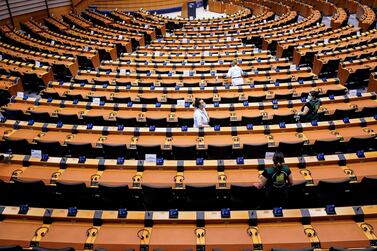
(204, 105)
(309, 97)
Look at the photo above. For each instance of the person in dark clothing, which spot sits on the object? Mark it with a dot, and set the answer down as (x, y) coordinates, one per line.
(276, 180)
(205, 4)
(309, 111)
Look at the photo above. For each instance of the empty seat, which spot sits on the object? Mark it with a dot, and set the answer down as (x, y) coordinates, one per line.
(244, 197)
(158, 122)
(332, 192)
(52, 148)
(157, 198)
(31, 192)
(189, 122)
(184, 152)
(80, 149)
(14, 114)
(356, 144)
(219, 121)
(114, 196)
(20, 146)
(220, 152)
(128, 122)
(148, 100)
(344, 113)
(72, 194)
(254, 151)
(291, 149)
(71, 119)
(114, 151)
(229, 100)
(257, 120)
(201, 197)
(123, 100)
(148, 149)
(284, 96)
(326, 146)
(94, 119)
(43, 117)
(277, 118)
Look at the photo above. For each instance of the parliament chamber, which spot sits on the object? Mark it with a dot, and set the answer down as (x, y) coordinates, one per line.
(100, 148)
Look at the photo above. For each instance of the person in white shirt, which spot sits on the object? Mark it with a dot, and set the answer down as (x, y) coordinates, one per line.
(235, 73)
(201, 118)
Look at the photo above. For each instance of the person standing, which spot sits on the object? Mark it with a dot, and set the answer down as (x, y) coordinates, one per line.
(235, 73)
(205, 4)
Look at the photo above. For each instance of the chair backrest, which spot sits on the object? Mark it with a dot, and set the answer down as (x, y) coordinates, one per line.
(148, 149)
(50, 147)
(80, 149)
(326, 146)
(148, 100)
(255, 150)
(219, 121)
(200, 192)
(257, 120)
(114, 150)
(184, 152)
(68, 118)
(220, 152)
(291, 149)
(158, 122)
(189, 122)
(126, 121)
(256, 98)
(95, 120)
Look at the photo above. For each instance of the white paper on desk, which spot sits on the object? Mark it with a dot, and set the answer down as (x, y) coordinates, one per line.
(123, 22)
(184, 40)
(352, 93)
(269, 155)
(228, 39)
(186, 73)
(20, 94)
(52, 42)
(146, 26)
(237, 25)
(326, 41)
(358, 33)
(292, 67)
(180, 102)
(264, 21)
(96, 101)
(37, 64)
(191, 18)
(150, 158)
(92, 32)
(36, 153)
(122, 72)
(120, 36)
(86, 48)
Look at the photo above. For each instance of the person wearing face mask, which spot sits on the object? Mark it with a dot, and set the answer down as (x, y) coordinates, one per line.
(235, 73)
(309, 111)
(276, 180)
(201, 118)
